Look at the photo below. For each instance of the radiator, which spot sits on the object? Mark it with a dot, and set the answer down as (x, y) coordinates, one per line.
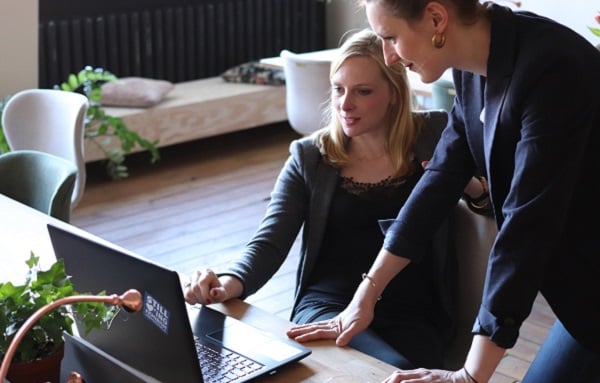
(196, 39)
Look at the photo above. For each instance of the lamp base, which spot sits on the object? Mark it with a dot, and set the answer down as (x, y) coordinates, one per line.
(39, 371)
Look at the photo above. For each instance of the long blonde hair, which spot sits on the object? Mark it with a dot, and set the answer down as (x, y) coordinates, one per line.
(403, 125)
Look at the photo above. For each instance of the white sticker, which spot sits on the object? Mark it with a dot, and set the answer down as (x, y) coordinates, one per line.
(157, 313)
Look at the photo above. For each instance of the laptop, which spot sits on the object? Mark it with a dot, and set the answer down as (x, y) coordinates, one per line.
(169, 339)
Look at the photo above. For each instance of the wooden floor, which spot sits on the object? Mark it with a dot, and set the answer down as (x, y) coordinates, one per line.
(203, 200)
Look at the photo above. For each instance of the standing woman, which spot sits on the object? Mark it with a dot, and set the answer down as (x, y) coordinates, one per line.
(527, 110)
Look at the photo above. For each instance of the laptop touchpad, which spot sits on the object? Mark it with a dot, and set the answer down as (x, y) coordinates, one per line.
(250, 341)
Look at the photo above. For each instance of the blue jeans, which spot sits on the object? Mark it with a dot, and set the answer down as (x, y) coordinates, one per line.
(562, 359)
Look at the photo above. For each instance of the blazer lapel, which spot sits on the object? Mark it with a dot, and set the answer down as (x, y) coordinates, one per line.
(499, 75)
(324, 185)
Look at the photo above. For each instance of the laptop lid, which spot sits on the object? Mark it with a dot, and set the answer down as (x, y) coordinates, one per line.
(96, 366)
(159, 340)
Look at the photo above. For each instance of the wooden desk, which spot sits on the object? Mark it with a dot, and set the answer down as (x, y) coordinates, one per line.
(24, 229)
(328, 363)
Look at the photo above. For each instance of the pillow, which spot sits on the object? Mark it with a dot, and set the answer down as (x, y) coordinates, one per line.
(254, 73)
(135, 92)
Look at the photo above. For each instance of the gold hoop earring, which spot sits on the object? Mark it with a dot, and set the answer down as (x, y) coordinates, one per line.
(438, 43)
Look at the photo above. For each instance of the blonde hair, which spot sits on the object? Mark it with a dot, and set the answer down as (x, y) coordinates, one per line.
(403, 124)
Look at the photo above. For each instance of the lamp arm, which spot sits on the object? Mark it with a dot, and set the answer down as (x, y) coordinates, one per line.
(131, 301)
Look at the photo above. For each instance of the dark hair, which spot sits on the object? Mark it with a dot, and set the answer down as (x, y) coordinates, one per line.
(411, 10)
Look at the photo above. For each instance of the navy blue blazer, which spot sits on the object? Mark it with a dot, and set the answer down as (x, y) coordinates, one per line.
(539, 145)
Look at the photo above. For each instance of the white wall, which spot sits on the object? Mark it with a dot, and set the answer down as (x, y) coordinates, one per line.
(576, 14)
(18, 45)
(19, 42)
(343, 15)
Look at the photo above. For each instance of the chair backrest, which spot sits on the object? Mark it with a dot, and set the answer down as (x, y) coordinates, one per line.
(442, 94)
(40, 180)
(50, 121)
(307, 90)
(474, 237)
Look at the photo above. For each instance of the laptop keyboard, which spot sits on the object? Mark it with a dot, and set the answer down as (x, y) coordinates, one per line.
(221, 366)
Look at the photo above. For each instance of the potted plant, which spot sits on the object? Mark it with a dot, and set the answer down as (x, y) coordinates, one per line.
(45, 339)
(100, 127)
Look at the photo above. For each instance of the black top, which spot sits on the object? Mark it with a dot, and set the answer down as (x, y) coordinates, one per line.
(352, 241)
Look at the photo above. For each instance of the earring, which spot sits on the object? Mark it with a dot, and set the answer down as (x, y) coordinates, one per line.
(438, 43)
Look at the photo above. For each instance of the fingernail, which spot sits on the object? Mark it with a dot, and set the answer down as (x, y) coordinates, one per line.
(213, 293)
(208, 301)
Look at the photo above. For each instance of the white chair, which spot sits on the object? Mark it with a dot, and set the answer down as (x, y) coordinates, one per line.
(307, 90)
(474, 236)
(51, 121)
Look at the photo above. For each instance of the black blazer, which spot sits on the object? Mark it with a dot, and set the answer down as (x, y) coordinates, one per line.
(540, 147)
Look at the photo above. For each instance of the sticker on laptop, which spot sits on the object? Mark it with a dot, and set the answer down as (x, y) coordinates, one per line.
(157, 313)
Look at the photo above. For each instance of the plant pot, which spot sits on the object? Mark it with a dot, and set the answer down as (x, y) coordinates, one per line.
(39, 371)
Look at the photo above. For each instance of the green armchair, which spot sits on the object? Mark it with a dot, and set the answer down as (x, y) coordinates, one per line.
(40, 180)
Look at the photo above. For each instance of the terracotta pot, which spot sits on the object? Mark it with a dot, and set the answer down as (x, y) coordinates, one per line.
(39, 371)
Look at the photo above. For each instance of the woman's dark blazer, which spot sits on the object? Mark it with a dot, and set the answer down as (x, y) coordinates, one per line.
(540, 147)
(301, 198)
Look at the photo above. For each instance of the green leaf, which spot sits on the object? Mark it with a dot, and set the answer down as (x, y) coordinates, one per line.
(64, 86)
(19, 302)
(96, 94)
(595, 31)
(33, 260)
(81, 77)
(73, 83)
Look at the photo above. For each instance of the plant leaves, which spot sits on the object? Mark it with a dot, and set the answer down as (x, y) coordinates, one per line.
(19, 302)
(89, 81)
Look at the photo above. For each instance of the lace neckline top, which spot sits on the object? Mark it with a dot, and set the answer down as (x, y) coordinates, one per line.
(368, 189)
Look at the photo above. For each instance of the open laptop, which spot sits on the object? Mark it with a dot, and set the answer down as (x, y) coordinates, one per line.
(168, 340)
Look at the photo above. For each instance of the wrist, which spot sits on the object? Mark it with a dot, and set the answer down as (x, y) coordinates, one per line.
(367, 294)
(477, 194)
(371, 282)
(478, 188)
(232, 286)
(482, 360)
(470, 377)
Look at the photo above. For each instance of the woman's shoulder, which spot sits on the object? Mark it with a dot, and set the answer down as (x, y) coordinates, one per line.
(305, 146)
(305, 151)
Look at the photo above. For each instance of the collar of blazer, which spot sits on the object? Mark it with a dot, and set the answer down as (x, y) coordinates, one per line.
(499, 74)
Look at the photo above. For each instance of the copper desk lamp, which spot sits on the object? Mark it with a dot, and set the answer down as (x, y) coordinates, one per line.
(131, 301)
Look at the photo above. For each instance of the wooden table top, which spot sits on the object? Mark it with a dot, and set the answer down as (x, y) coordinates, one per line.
(24, 230)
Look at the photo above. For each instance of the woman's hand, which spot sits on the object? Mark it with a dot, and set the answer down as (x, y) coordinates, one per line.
(342, 328)
(422, 375)
(205, 288)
